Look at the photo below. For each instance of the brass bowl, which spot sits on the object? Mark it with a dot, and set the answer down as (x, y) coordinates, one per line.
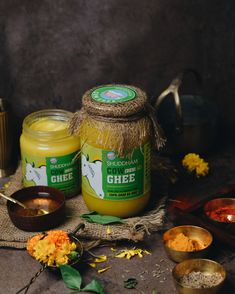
(202, 265)
(218, 203)
(193, 232)
(37, 197)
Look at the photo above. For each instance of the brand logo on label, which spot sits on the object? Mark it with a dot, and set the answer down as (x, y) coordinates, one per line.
(111, 155)
(53, 160)
(114, 94)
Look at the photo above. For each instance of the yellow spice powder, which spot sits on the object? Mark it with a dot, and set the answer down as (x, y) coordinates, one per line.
(183, 243)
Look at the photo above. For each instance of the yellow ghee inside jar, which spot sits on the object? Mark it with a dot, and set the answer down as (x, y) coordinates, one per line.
(115, 176)
(48, 151)
(49, 125)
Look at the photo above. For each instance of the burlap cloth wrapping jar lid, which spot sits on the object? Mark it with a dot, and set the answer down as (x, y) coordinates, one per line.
(132, 101)
(126, 106)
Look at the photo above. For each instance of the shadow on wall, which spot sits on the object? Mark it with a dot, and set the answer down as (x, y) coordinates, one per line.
(53, 51)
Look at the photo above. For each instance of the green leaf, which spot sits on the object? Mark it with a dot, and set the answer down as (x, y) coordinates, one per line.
(94, 217)
(130, 283)
(95, 287)
(154, 292)
(71, 277)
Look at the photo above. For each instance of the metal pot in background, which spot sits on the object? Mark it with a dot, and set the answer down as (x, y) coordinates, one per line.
(190, 121)
(6, 140)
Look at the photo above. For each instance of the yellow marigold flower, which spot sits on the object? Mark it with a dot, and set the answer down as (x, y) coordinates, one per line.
(44, 251)
(202, 169)
(32, 242)
(193, 162)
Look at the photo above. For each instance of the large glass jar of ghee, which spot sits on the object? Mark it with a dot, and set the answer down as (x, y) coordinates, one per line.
(48, 151)
(115, 150)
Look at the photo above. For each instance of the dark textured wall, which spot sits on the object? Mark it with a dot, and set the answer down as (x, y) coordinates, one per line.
(51, 51)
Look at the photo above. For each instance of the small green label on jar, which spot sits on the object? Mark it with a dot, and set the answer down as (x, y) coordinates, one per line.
(109, 177)
(113, 94)
(60, 172)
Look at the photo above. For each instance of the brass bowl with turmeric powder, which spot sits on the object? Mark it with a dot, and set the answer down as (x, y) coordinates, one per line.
(186, 242)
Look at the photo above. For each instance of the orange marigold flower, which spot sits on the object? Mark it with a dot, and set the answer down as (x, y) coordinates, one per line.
(32, 242)
(58, 237)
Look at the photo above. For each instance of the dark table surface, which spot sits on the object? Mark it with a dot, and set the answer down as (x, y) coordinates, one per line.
(153, 272)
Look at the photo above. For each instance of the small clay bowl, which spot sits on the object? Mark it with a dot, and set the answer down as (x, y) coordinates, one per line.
(193, 232)
(37, 197)
(201, 265)
(219, 203)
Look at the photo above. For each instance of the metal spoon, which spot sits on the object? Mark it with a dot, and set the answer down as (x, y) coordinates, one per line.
(35, 211)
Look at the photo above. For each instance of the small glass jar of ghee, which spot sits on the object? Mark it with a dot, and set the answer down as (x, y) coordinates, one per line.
(48, 151)
(115, 150)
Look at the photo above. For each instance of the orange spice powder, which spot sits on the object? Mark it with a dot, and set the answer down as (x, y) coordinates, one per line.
(183, 243)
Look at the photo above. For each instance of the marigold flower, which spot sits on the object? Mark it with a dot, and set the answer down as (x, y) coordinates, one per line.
(202, 169)
(53, 248)
(58, 237)
(44, 251)
(32, 242)
(193, 162)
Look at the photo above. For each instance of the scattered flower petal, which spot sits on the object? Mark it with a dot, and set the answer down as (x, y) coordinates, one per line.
(121, 255)
(100, 258)
(92, 264)
(128, 254)
(109, 230)
(100, 271)
(146, 252)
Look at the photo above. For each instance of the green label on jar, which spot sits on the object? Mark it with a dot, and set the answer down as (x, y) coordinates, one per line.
(113, 94)
(107, 176)
(60, 172)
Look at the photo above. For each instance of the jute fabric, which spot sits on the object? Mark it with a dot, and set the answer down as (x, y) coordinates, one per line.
(134, 228)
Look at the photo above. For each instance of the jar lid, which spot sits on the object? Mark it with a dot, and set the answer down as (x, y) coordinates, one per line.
(114, 100)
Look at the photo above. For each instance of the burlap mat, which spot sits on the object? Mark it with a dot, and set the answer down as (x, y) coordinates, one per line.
(134, 228)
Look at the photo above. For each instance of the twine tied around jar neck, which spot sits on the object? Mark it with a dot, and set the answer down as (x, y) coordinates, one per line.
(134, 120)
